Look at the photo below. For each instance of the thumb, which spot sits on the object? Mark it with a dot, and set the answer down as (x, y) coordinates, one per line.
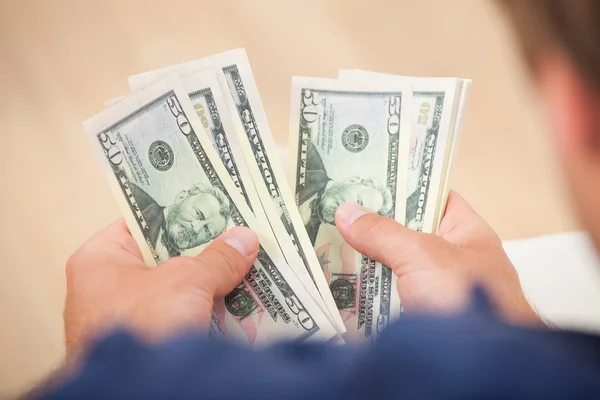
(225, 262)
(380, 238)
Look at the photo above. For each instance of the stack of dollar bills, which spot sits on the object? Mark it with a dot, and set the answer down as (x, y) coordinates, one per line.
(190, 154)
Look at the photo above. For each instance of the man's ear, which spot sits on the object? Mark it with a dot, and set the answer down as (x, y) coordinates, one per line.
(572, 107)
(573, 114)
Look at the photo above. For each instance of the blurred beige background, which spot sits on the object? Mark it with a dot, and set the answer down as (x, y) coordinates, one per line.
(60, 60)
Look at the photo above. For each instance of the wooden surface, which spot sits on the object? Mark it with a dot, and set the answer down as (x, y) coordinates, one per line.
(60, 60)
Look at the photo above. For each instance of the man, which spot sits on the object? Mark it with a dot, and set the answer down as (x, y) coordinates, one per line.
(321, 196)
(198, 215)
(496, 347)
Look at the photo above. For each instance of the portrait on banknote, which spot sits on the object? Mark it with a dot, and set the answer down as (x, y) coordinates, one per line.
(196, 216)
(321, 196)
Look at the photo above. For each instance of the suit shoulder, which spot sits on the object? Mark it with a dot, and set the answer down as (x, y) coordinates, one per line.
(476, 353)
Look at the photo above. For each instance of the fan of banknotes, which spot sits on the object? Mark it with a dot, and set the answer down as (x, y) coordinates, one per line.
(189, 154)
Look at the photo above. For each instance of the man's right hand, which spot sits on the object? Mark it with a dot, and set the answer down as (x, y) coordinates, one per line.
(437, 273)
(109, 285)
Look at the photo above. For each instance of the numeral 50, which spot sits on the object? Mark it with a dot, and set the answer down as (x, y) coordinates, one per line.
(111, 150)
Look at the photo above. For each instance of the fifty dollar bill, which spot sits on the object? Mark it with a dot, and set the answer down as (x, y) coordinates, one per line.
(438, 111)
(350, 144)
(433, 124)
(211, 108)
(177, 197)
(260, 153)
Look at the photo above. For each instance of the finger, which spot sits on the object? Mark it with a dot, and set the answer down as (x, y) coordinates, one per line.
(113, 246)
(380, 238)
(461, 224)
(118, 234)
(225, 262)
(115, 236)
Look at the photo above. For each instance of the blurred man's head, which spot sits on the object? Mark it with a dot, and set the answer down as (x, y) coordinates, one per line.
(357, 190)
(197, 216)
(561, 42)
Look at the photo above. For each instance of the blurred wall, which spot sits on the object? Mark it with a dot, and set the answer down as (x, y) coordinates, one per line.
(60, 60)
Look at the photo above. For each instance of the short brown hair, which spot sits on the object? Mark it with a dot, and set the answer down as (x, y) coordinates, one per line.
(570, 26)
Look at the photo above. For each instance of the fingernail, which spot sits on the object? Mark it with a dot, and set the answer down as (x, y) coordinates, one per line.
(243, 240)
(350, 212)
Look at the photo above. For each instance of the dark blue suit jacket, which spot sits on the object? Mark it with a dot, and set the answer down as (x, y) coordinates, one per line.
(474, 355)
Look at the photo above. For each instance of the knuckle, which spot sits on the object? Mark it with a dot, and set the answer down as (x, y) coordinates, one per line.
(381, 227)
(220, 260)
(416, 254)
(407, 285)
(424, 243)
(184, 262)
(484, 236)
(382, 237)
(177, 272)
(73, 264)
(494, 237)
(184, 267)
(224, 260)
